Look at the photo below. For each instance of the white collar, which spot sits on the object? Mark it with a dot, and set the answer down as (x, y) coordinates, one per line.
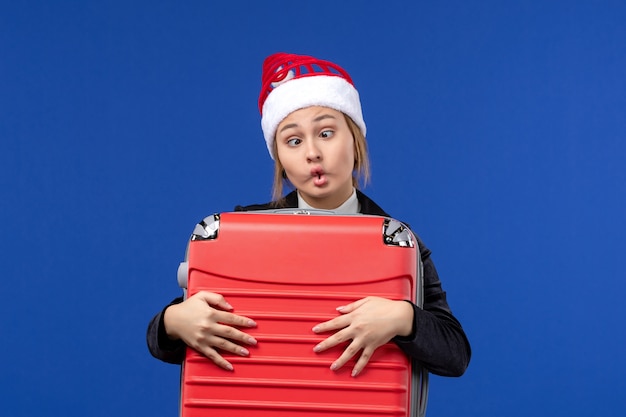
(350, 206)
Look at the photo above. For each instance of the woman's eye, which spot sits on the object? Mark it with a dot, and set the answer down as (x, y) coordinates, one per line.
(293, 142)
(327, 134)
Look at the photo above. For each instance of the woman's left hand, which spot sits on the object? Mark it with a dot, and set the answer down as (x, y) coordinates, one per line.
(367, 324)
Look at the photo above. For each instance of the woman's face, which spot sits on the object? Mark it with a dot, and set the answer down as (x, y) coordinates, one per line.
(316, 148)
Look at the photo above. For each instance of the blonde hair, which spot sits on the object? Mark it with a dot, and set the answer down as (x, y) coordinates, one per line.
(361, 172)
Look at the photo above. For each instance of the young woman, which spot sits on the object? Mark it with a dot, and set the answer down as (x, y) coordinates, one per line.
(314, 130)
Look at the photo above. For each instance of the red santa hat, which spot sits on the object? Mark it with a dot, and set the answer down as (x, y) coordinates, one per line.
(292, 82)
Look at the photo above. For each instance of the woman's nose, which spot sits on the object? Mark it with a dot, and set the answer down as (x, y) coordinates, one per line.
(313, 153)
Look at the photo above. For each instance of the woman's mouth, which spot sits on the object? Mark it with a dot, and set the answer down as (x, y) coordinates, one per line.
(319, 177)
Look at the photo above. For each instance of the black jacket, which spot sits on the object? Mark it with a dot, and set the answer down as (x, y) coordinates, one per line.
(437, 341)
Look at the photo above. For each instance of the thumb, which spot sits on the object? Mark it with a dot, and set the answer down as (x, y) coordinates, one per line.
(348, 308)
(215, 300)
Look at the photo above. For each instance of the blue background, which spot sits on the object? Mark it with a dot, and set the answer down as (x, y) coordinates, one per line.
(497, 129)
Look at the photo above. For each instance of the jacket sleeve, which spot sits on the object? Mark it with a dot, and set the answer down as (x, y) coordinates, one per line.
(161, 346)
(438, 340)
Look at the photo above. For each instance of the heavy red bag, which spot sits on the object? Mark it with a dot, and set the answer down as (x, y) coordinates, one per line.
(289, 272)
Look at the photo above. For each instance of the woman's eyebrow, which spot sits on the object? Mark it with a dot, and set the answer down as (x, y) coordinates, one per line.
(317, 119)
(289, 126)
(324, 116)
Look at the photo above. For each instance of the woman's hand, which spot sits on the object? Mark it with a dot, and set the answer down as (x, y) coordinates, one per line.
(368, 323)
(204, 322)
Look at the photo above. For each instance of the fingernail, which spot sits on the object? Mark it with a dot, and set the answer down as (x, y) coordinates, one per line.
(316, 329)
(333, 367)
(354, 373)
(251, 323)
(317, 348)
(228, 306)
(244, 351)
(229, 367)
(341, 308)
(251, 341)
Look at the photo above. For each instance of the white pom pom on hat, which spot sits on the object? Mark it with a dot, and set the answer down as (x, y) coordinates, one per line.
(292, 82)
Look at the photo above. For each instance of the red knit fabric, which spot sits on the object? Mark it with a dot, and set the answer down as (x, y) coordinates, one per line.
(276, 68)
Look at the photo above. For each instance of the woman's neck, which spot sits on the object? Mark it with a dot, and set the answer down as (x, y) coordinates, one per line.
(348, 206)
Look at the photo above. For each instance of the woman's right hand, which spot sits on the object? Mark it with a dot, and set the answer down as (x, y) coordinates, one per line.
(204, 322)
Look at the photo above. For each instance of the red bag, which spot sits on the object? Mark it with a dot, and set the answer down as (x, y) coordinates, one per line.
(289, 272)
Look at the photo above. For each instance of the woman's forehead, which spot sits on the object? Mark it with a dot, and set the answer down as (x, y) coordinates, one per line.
(313, 113)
